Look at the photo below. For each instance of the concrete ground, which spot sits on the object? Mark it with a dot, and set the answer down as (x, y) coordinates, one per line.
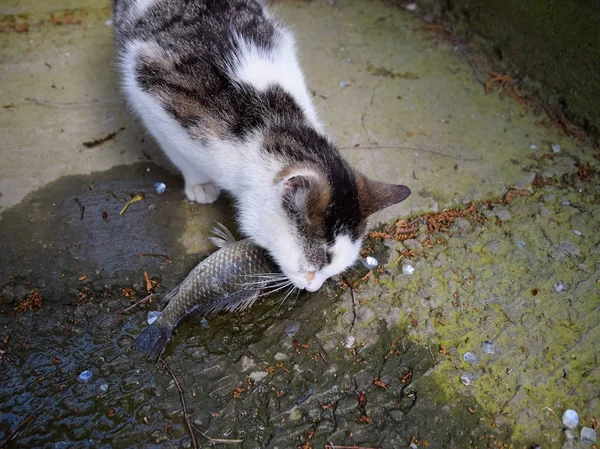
(376, 363)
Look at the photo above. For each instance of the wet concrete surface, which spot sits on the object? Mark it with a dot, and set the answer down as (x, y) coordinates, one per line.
(375, 365)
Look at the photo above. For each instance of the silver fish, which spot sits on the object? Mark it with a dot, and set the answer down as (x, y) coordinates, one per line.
(231, 279)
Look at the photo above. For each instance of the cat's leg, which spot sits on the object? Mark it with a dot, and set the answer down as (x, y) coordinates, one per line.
(198, 186)
(200, 189)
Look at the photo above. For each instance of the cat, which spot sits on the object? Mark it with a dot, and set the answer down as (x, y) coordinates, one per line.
(218, 85)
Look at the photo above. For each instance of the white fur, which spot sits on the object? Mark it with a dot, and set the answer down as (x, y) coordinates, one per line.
(240, 169)
(262, 69)
(143, 5)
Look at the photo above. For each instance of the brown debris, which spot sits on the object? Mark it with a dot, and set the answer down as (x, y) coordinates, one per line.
(380, 383)
(413, 320)
(507, 85)
(365, 419)
(33, 302)
(97, 142)
(237, 393)
(148, 282)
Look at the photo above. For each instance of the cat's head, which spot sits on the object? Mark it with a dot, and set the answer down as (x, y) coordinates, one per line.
(315, 226)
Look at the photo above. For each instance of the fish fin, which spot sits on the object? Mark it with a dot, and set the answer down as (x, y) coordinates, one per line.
(153, 340)
(223, 236)
(169, 296)
(235, 302)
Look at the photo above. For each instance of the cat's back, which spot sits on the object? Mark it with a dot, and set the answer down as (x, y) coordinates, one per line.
(214, 27)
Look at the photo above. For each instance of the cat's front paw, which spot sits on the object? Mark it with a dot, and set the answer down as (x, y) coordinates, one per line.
(202, 193)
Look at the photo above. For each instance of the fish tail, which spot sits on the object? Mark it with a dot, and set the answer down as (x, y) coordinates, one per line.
(153, 340)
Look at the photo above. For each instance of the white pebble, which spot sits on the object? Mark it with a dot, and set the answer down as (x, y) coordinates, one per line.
(488, 347)
(470, 358)
(588, 435)
(570, 419)
(466, 378)
(407, 269)
(349, 343)
(160, 187)
(343, 84)
(555, 147)
(521, 244)
(560, 287)
(411, 7)
(85, 376)
(369, 262)
(566, 203)
(67, 54)
(533, 146)
(576, 232)
(108, 23)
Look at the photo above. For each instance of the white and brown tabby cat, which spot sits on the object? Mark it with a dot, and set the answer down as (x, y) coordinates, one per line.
(218, 84)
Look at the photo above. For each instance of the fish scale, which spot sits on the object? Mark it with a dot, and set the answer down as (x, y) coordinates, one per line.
(222, 281)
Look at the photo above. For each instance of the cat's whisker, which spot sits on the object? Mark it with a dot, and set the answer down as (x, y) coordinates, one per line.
(269, 292)
(287, 295)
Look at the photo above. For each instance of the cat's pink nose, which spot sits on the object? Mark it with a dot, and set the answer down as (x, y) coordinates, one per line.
(309, 276)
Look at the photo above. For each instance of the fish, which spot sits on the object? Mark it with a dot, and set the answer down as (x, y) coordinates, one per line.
(230, 279)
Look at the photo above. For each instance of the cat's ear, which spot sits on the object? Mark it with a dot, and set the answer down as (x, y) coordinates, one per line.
(375, 195)
(306, 196)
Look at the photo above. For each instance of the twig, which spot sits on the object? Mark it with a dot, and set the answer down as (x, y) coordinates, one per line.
(101, 140)
(13, 433)
(81, 208)
(424, 150)
(134, 199)
(135, 304)
(217, 440)
(169, 260)
(70, 103)
(351, 288)
(335, 446)
(182, 397)
(466, 55)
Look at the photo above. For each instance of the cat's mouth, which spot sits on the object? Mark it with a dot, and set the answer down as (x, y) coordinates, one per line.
(310, 281)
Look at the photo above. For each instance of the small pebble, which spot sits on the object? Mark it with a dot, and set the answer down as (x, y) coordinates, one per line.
(566, 203)
(470, 358)
(160, 187)
(369, 262)
(411, 7)
(488, 347)
(67, 54)
(555, 147)
(570, 419)
(569, 435)
(466, 378)
(521, 244)
(103, 388)
(203, 323)
(153, 316)
(561, 287)
(108, 23)
(85, 376)
(349, 343)
(588, 435)
(576, 232)
(533, 146)
(292, 329)
(343, 84)
(407, 269)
